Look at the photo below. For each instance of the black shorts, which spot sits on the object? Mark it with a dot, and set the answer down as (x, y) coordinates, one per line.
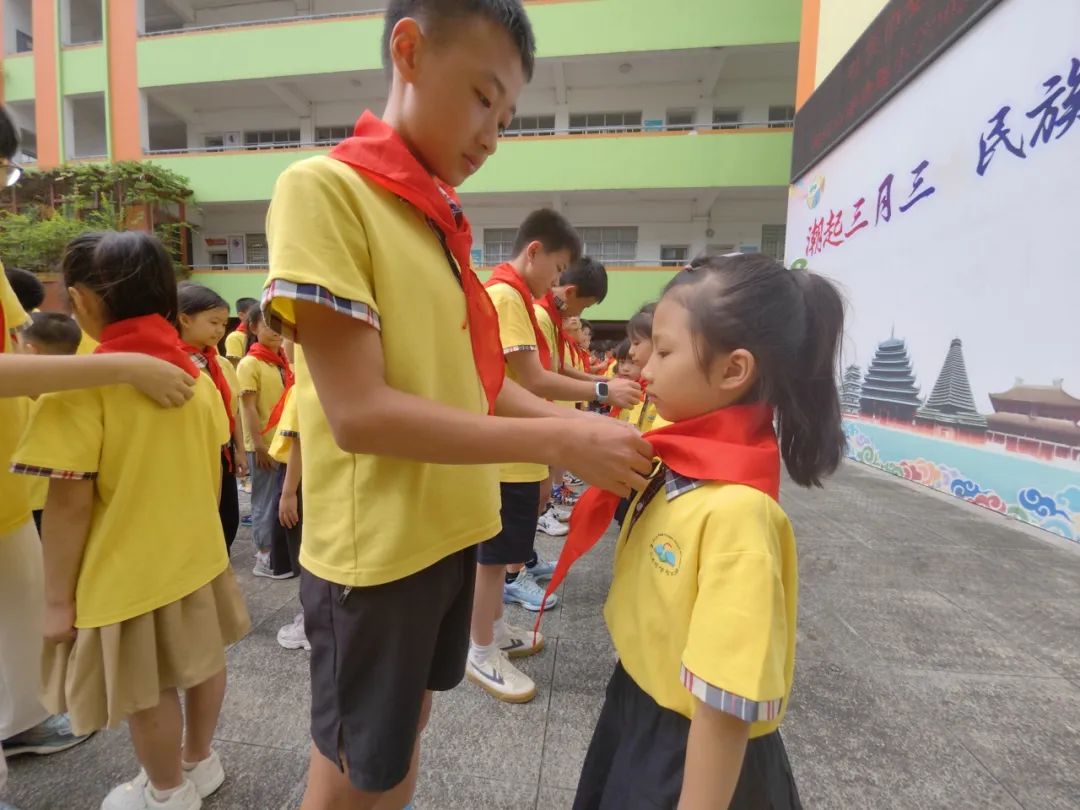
(519, 512)
(638, 753)
(375, 651)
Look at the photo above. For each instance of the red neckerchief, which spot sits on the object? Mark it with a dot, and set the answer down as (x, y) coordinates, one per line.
(278, 358)
(552, 309)
(146, 334)
(213, 368)
(241, 328)
(377, 151)
(506, 274)
(736, 445)
(617, 411)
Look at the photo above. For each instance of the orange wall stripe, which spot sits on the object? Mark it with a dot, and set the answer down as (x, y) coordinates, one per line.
(46, 86)
(808, 47)
(124, 104)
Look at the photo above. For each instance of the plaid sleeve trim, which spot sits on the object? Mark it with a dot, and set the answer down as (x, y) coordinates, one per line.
(749, 711)
(315, 294)
(199, 360)
(527, 348)
(676, 485)
(50, 472)
(292, 434)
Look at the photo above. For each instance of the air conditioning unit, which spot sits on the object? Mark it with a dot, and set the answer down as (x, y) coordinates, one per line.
(234, 140)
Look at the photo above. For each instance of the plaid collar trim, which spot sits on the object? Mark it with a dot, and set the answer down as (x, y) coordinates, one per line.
(676, 485)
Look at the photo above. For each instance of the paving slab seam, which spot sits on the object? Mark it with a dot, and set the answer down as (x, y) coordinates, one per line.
(989, 772)
(305, 750)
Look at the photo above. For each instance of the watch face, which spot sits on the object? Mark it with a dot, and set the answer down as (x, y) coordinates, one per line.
(602, 389)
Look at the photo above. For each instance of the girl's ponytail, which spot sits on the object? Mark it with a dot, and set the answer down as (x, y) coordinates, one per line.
(811, 435)
(253, 318)
(791, 322)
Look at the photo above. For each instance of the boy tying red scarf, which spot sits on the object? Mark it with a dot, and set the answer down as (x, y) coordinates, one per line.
(377, 151)
(506, 274)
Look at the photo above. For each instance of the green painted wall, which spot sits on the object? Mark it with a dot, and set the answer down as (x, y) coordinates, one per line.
(83, 70)
(19, 77)
(627, 289)
(562, 29)
(678, 160)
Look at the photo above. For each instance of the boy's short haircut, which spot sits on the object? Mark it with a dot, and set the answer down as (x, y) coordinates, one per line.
(640, 326)
(27, 288)
(244, 304)
(589, 276)
(552, 230)
(622, 351)
(437, 18)
(54, 331)
(586, 325)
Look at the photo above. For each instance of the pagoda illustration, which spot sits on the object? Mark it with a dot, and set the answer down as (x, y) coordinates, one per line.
(1038, 419)
(851, 390)
(889, 390)
(951, 404)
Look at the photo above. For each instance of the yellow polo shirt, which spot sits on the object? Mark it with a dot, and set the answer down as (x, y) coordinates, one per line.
(704, 599)
(86, 345)
(155, 534)
(265, 381)
(516, 334)
(288, 428)
(235, 344)
(340, 240)
(14, 492)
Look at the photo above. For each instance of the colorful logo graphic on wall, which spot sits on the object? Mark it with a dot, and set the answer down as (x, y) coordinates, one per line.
(813, 194)
(666, 554)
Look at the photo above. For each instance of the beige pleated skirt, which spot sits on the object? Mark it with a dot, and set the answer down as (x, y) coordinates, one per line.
(110, 672)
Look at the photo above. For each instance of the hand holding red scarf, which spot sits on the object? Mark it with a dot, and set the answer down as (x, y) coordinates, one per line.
(278, 358)
(506, 274)
(735, 445)
(146, 334)
(378, 152)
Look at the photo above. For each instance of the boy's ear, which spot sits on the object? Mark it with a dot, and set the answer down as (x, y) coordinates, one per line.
(534, 247)
(406, 41)
(570, 292)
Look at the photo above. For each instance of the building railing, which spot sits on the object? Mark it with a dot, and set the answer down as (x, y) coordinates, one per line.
(525, 133)
(329, 15)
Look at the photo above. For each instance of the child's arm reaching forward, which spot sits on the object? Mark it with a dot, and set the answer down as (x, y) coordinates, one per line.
(64, 532)
(288, 511)
(714, 756)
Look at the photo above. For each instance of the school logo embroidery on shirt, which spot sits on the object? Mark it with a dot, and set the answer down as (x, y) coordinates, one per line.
(666, 554)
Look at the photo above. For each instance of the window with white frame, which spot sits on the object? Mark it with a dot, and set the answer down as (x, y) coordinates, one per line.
(214, 141)
(498, 245)
(674, 255)
(605, 122)
(781, 115)
(681, 120)
(610, 244)
(530, 125)
(772, 240)
(269, 138)
(332, 134)
(726, 118)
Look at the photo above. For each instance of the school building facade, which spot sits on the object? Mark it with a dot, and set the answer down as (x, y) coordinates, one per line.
(661, 129)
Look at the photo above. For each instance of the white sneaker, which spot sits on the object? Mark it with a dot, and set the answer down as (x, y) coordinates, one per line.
(550, 525)
(292, 635)
(561, 514)
(136, 795)
(497, 676)
(518, 643)
(525, 591)
(262, 567)
(206, 775)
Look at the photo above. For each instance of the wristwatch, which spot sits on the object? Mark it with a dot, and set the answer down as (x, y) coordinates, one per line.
(602, 392)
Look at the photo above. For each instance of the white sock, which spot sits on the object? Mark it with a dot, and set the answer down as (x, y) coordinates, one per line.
(501, 630)
(479, 653)
(163, 795)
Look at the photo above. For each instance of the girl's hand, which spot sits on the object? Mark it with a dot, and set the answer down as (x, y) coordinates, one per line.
(60, 622)
(262, 458)
(240, 465)
(160, 380)
(288, 512)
